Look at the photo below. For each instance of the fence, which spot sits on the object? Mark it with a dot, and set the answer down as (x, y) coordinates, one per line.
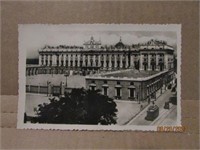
(49, 90)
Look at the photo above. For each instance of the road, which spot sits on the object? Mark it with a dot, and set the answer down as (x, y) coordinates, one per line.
(165, 116)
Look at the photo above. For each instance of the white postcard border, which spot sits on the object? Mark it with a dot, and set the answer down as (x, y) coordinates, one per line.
(137, 27)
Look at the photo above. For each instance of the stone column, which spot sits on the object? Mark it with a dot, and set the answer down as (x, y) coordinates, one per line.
(60, 56)
(132, 61)
(110, 64)
(99, 61)
(157, 62)
(115, 57)
(120, 65)
(149, 62)
(53, 60)
(49, 60)
(126, 61)
(83, 60)
(64, 59)
(40, 60)
(69, 59)
(104, 63)
(94, 61)
(89, 60)
(44, 60)
(78, 60)
(73, 58)
(166, 61)
(141, 62)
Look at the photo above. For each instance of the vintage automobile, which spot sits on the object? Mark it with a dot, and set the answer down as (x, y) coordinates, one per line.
(152, 112)
(173, 98)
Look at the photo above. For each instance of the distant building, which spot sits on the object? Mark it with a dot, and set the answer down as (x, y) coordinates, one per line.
(93, 55)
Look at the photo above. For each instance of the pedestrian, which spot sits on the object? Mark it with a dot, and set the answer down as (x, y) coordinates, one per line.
(141, 107)
(148, 100)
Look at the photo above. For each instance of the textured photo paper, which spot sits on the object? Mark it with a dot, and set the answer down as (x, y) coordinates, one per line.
(100, 77)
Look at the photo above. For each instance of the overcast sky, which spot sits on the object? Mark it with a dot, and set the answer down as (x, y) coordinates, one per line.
(34, 37)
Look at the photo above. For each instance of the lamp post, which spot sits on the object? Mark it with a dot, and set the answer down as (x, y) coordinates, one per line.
(66, 75)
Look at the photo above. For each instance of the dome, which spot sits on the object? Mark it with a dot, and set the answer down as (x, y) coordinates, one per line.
(120, 44)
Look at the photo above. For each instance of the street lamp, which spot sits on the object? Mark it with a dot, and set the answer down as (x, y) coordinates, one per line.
(66, 75)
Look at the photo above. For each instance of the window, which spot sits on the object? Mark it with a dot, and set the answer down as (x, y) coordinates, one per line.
(132, 93)
(57, 60)
(46, 60)
(113, 64)
(105, 91)
(81, 63)
(118, 82)
(92, 85)
(131, 83)
(91, 62)
(71, 63)
(105, 81)
(118, 93)
(102, 63)
(92, 88)
(42, 59)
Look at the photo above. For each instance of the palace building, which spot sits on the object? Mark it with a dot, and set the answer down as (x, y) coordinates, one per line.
(153, 55)
(131, 84)
(136, 72)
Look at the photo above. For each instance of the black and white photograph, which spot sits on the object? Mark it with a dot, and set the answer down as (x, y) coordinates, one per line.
(99, 76)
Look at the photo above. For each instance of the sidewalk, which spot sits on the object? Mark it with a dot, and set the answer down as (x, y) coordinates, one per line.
(127, 110)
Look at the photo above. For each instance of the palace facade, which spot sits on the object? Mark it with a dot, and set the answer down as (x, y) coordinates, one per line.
(136, 72)
(93, 55)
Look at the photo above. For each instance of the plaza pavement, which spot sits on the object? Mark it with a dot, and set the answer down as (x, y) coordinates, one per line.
(32, 101)
(73, 81)
(127, 110)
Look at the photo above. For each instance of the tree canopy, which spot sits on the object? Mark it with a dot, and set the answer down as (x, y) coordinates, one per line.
(80, 106)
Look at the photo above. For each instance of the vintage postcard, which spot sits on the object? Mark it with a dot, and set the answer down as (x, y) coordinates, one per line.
(100, 77)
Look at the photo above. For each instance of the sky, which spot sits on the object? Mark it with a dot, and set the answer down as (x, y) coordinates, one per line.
(33, 37)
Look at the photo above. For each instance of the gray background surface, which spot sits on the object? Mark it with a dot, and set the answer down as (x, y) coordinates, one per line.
(60, 12)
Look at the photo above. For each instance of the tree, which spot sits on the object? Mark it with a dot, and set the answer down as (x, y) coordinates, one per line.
(79, 107)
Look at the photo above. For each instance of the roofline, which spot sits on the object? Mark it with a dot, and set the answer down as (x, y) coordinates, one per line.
(125, 78)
